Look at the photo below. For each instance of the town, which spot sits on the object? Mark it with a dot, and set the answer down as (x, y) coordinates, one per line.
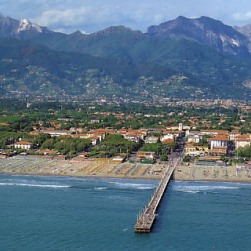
(126, 139)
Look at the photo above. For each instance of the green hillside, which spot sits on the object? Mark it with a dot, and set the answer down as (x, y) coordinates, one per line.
(185, 58)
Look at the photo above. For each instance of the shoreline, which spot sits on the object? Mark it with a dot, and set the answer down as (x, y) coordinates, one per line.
(78, 176)
(216, 180)
(47, 167)
(31, 165)
(214, 173)
(126, 177)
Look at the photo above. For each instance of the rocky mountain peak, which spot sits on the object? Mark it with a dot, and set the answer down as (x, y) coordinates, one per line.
(246, 31)
(26, 25)
(12, 28)
(8, 26)
(203, 30)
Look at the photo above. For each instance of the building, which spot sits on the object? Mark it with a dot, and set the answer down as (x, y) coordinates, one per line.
(57, 133)
(145, 155)
(219, 141)
(23, 145)
(94, 121)
(242, 141)
(218, 151)
(95, 139)
(118, 159)
(167, 141)
(151, 139)
(215, 133)
(180, 127)
(175, 134)
(195, 138)
(132, 137)
(168, 136)
(192, 150)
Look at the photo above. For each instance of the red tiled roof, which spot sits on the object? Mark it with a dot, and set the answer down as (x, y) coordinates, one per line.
(219, 138)
(24, 143)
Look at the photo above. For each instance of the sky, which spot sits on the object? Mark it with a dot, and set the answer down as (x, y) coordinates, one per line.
(90, 16)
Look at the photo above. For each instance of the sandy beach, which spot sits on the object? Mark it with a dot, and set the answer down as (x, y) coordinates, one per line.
(33, 165)
(45, 166)
(213, 173)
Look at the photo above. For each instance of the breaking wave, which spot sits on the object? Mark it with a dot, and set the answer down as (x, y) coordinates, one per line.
(203, 188)
(100, 188)
(136, 186)
(34, 185)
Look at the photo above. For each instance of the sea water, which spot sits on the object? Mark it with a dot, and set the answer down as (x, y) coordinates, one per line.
(65, 213)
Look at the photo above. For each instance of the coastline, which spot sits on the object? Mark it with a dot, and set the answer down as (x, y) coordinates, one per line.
(32, 165)
(81, 176)
(187, 172)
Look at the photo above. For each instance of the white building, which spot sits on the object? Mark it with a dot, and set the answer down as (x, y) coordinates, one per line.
(218, 142)
(167, 136)
(57, 133)
(242, 141)
(23, 145)
(151, 139)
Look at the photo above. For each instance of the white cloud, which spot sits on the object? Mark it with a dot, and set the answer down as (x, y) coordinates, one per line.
(82, 18)
(70, 16)
(242, 16)
(91, 18)
(94, 15)
(159, 18)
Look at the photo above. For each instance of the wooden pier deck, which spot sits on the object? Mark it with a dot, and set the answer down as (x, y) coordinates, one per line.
(146, 219)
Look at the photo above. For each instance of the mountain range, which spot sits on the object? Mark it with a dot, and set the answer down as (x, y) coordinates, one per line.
(185, 58)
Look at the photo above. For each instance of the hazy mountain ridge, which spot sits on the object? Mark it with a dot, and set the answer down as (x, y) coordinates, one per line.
(246, 31)
(184, 58)
(30, 69)
(206, 31)
(10, 27)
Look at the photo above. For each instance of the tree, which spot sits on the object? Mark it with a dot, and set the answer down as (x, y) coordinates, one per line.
(41, 138)
(164, 157)
(113, 145)
(187, 158)
(67, 146)
(244, 152)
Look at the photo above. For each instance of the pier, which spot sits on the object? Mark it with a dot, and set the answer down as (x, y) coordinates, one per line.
(146, 219)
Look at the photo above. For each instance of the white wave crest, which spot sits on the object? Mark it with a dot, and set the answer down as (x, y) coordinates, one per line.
(100, 188)
(189, 191)
(33, 185)
(134, 186)
(196, 189)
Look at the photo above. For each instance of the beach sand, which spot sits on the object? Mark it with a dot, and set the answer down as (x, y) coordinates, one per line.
(44, 166)
(33, 165)
(212, 173)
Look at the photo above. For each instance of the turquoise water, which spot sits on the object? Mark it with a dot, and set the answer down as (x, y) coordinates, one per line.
(64, 213)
